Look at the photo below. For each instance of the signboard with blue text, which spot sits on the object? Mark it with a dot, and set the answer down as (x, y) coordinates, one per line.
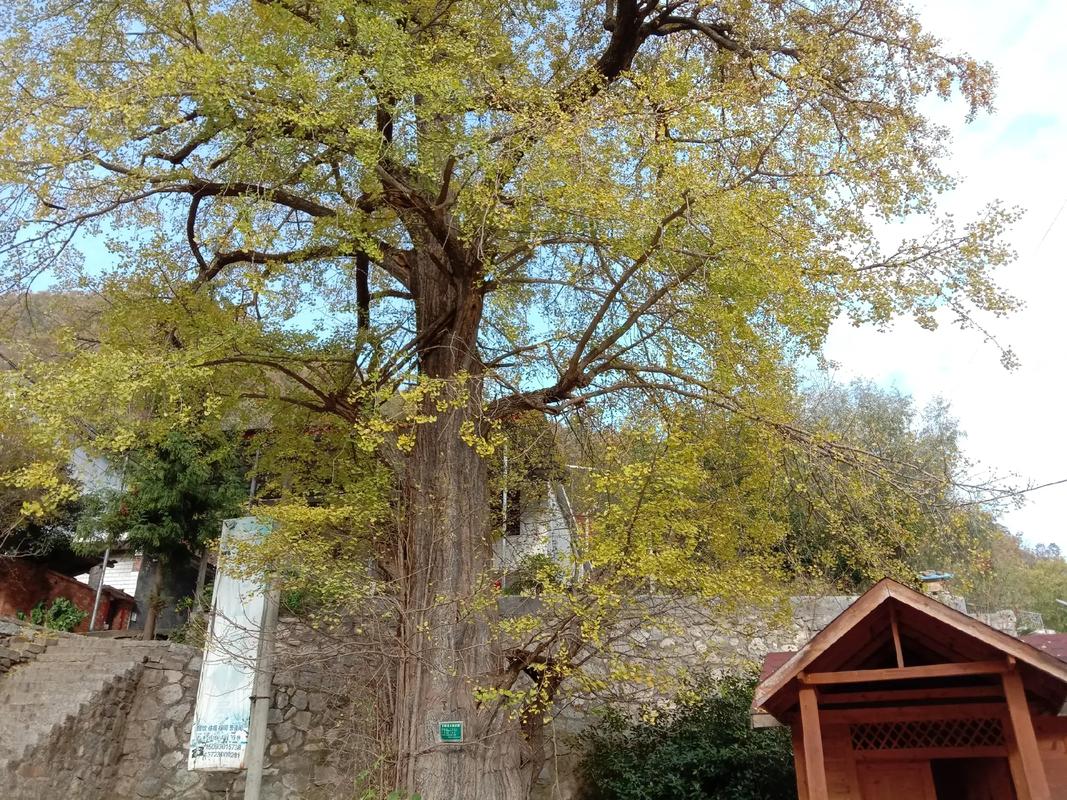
(224, 696)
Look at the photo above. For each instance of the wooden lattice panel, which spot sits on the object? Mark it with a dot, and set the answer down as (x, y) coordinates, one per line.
(928, 733)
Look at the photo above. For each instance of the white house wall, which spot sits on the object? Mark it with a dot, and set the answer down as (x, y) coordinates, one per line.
(93, 472)
(122, 576)
(543, 531)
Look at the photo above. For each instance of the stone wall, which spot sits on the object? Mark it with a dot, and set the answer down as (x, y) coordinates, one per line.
(78, 759)
(15, 647)
(329, 717)
(151, 762)
(315, 724)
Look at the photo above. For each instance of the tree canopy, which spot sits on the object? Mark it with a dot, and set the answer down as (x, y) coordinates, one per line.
(665, 197)
(173, 499)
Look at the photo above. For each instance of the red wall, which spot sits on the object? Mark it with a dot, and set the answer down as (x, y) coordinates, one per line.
(23, 584)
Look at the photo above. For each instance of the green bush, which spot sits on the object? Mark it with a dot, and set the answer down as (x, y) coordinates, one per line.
(704, 749)
(62, 615)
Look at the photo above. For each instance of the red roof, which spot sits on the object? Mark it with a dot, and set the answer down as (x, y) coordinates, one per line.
(1055, 644)
(772, 661)
(1042, 659)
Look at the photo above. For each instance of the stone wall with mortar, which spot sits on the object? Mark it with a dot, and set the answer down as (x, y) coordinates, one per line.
(317, 725)
(153, 750)
(78, 759)
(327, 722)
(17, 644)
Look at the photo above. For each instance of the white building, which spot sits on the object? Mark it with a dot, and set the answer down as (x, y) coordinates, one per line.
(547, 529)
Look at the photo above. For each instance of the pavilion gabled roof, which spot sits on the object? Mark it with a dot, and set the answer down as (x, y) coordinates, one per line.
(933, 632)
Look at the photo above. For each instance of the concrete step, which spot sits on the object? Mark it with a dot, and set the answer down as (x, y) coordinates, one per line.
(49, 661)
(33, 683)
(78, 654)
(33, 680)
(27, 722)
(63, 678)
(52, 660)
(44, 699)
(75, 664)
(59, 682)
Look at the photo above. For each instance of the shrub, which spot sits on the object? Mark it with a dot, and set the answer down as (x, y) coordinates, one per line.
(702, 749)
(62, 615)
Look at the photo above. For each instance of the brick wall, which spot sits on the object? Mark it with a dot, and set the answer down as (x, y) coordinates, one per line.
(24, 584)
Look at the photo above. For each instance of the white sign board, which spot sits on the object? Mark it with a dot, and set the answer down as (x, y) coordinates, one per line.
(224, 697)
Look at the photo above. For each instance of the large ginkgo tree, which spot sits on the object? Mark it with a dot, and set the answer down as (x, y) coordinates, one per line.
(405, 222)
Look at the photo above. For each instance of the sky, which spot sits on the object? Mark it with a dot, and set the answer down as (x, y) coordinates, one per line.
(1016, 422)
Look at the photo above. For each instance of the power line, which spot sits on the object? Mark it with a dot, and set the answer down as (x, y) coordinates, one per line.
(1012, 493)
(1051, 225)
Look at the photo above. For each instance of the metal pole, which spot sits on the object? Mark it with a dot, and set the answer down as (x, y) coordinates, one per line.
(107, 552)
(262, 683)
(99, 587)
(261, 695)
(504, 495)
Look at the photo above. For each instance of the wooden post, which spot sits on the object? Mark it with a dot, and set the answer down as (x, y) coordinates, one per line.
(798, 761)
(896, 633)
(1024, 740)
(814, 765)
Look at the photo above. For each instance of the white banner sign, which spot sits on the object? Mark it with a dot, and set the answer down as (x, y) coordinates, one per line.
(224, 697)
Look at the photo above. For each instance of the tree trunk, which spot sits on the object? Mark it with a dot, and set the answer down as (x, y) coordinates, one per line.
(447, 605)
(154, 603)
(149, 632)
(198, 593)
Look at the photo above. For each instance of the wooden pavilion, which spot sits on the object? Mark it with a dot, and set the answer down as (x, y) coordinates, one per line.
(904, 698)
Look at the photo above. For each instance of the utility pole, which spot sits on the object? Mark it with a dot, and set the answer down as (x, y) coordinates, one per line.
(261, 694)
(107, 551)
(99, 587)
(263, 681)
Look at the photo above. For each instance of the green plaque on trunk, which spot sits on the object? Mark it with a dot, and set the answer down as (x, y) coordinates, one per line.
(450, 731)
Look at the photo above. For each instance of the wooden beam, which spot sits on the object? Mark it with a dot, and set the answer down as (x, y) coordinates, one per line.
(930, 753)
(896, 633)
(1015, 766)
(1024, 739)
(814, 764)
(909, 695)
(904, 673)
(849, 716)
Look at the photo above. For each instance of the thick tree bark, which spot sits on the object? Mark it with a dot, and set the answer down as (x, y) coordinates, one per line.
(445, 628)
(154, 603)
(444, 556)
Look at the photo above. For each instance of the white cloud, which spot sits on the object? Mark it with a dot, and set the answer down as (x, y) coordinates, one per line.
(1015, 421)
